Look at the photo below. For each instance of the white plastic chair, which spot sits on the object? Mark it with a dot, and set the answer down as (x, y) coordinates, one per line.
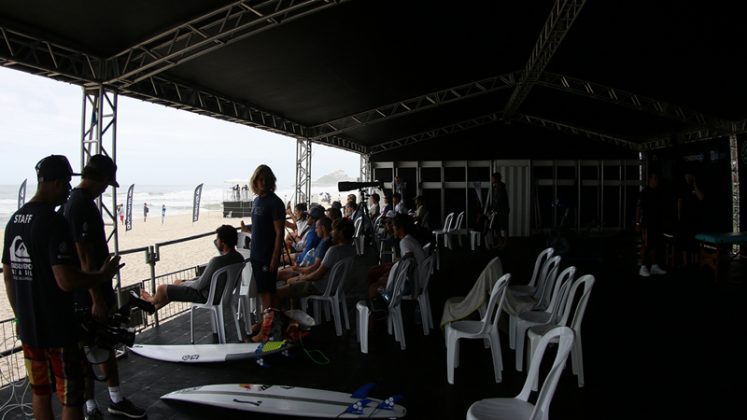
(535, 333)
(531, 287)
(445, 228)
(486, 328)
(455, 227)
(332, 294)
(519, 407)
(538, 301)
(550, 315)
(395, 285)
(232, 275)
(249, 299)
(420, 292)
(359, 238)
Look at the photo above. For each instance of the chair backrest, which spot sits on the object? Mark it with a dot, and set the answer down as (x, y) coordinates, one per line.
(425, 272)
(337, 276)
(546, 282)
(493, 310)
(560, 292)
(543, 256)
(459, 222)
(564, 337)
(224, 282)
(401, 273)
(447, 222)
(587, 280)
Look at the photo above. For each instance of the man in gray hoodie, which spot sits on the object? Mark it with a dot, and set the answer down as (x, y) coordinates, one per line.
(197, 290)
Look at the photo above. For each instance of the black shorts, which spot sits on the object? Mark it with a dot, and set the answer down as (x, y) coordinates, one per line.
(266, 281)
(178, 293)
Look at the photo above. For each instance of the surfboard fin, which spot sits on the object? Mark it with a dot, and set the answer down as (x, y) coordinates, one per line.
(363, 391)
(389, 403)
(358, 406)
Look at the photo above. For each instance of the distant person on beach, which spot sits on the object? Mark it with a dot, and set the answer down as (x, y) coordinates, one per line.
(268, 219)
(197, 290)
(163, 213)
(87, 231)
(120, 210)
(145, 212)
(40, 270)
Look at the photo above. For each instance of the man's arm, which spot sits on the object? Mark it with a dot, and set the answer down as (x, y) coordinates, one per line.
(316, 275)
(203, 282)
(85, 255)
(9, 291)
(69, 277)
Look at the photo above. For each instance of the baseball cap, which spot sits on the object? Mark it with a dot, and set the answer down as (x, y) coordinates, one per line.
(54, 167)
(102, 165)
(316, 212)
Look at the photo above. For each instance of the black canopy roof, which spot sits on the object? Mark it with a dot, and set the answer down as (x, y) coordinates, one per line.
(378, 76)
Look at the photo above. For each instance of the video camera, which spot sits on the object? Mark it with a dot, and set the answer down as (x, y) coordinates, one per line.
(349, 186)
(116, 331)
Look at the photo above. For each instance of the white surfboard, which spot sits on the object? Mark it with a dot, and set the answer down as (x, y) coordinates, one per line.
(288, 401)
(208, 353)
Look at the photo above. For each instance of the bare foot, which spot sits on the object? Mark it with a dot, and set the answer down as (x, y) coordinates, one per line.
(146, 296)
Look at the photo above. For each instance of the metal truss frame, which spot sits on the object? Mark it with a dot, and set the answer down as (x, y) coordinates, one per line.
(45, 58)
(578, 131)
(435, 133)
(412, 105)
(205, 34)
(734, 166)
(365, 168)
(630, 100)
(303, 171)
(99, 135)
(558, 23)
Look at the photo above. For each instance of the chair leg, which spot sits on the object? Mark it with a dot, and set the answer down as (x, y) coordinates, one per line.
(579, 360)
(345, 316)
(520, 341)
(452, 355)
(192, 325)
(423, 315)
(533, 344)
(399, 326)
(335, 304)
(512, 332)
(219, 324)
(363, 313)
(495, 350)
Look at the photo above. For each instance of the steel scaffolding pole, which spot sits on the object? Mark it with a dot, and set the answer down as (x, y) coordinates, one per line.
(99, 136)
(365, 170)
(734, 159)
(303, 171)
(558, 23)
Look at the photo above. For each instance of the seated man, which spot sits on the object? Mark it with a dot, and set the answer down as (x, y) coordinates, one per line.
(315, 283)
(197, 290)
(324, 232)
(408, 246)
(298, 225)
(311, 240)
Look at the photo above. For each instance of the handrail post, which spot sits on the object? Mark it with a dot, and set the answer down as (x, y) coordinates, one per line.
(151, 258)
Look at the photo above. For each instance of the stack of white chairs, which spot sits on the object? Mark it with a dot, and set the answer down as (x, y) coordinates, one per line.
(333, 295)
(535, 333)
(519, 407)
(550, 315)
(486, 329)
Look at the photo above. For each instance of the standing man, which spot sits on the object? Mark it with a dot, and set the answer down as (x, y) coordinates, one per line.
(650, 222)
(163, 213)
(499, 204)
(87, 231)
(40, 269)
(268, 219)
(145, 212)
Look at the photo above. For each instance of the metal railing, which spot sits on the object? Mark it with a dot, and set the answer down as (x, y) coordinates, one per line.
(11, 356)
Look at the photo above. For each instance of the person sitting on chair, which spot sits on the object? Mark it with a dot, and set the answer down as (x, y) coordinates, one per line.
(310, 240)
(197, 290)
(324, 232)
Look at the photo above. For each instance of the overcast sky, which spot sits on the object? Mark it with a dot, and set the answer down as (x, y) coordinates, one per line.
(156, 144)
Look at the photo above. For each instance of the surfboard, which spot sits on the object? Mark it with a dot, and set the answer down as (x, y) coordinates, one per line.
(289, 401)
(209, 353)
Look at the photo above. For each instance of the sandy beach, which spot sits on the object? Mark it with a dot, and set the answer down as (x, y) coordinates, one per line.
(173, 257)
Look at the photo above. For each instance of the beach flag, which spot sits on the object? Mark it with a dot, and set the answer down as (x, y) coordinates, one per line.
(22, 194)
(196, 204)
(128, 211)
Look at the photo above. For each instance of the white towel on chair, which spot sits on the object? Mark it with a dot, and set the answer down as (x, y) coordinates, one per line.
(459, 307)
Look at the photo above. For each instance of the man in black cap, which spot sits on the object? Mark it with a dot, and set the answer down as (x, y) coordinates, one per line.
(87, 231)
(40, 269)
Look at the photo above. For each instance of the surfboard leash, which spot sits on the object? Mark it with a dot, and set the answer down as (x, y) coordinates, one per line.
(309, 353)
